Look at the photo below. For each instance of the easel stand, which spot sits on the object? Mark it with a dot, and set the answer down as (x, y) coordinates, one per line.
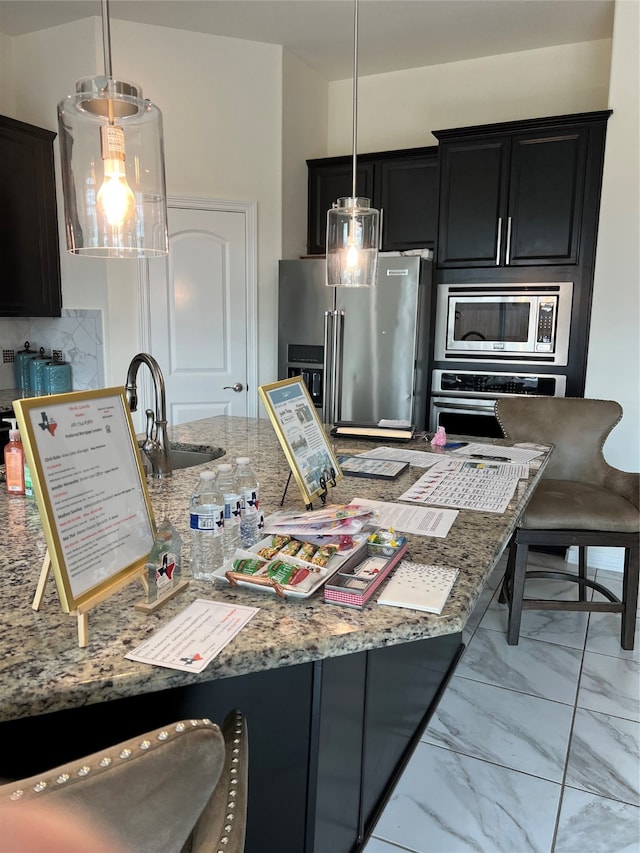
(328, 478)
(82, 611)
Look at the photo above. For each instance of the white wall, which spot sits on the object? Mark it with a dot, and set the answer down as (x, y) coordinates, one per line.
(613, 366)
(400, 110)
(305, 101)
(222, 113)
(7, 99)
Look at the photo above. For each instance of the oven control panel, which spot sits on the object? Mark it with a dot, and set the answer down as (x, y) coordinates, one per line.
(462, 382)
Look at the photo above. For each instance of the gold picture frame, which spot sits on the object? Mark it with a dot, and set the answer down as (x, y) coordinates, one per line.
(301, 436)
(91, 491)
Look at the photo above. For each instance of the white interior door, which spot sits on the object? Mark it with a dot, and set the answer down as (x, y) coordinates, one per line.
(200, 309)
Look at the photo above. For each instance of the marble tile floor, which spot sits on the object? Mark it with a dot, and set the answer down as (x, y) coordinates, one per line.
(534, 747)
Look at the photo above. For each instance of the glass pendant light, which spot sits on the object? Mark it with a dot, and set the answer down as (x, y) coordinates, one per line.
(352, 225)
(112, 156)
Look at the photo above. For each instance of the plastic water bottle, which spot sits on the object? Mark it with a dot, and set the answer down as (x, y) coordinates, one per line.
(248, 489)
(207, 528)
(232, 509)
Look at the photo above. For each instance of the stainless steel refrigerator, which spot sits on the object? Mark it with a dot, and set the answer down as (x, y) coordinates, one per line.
(363, 352)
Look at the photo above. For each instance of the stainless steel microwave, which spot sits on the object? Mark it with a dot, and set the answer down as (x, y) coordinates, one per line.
(528, 323)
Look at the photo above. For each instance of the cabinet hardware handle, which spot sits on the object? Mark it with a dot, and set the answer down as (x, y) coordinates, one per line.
(499, 241)
(508, 252)
(327, 394)
(380, 231)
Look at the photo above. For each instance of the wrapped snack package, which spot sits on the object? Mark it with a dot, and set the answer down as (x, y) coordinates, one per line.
(290, 575)
(268, 552)
(291, 548)
(307, 550)
(278, 541)
(248, 566)
(324, 554)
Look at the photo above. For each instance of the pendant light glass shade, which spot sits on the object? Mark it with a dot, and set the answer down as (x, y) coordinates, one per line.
(352, 226)
(112, 155)
(352, 243)
(112, 158)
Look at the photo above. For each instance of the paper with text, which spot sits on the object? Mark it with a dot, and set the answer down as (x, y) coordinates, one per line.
(192, 639)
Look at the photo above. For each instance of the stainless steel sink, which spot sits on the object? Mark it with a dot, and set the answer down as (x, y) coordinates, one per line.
(189, 458)
(186, 458)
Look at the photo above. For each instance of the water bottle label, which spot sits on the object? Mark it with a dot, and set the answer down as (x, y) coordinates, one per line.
(213, 521)
(232, 510)
(250, 501)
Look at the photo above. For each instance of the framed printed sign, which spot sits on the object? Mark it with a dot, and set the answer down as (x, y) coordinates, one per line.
(302, 436)
(91, 491)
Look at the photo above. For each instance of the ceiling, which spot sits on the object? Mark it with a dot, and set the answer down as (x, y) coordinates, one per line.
(392, 34)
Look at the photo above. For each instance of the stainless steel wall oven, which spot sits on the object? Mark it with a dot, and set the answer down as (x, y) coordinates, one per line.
(462, 401)
(495, 340)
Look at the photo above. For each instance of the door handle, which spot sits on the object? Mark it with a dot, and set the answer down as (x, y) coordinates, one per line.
(237, 386)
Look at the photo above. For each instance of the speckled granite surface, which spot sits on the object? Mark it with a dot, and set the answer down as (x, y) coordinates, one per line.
(42, 669)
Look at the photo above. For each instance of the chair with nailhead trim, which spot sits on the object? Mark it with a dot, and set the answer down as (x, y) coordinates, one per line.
(580, 500)
(178, 789)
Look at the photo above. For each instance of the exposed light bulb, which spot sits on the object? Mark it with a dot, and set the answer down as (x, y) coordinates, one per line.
(115, 199)
(353, 257)
(353, 254)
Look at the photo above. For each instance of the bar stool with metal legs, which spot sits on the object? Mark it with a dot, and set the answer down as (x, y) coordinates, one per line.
(580, 500)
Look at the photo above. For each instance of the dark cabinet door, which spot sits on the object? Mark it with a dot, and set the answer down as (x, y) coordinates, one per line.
(473, 187)
(545, 198)
(327, 183)
(29, 252)
(513, 199)
(407, 196)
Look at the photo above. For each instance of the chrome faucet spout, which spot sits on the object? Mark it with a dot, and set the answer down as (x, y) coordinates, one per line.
(156, 447)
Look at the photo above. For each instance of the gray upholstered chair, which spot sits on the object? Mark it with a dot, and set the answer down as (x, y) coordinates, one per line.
(178, 789)
(580, 500)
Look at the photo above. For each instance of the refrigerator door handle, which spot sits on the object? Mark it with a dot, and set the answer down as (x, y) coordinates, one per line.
(327, 369)
(338, 332)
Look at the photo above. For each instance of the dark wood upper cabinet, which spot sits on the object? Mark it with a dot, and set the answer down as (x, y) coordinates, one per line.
(472, 196)
(29, 252)
(402, 185)
(329, 181)
(546, 189)
(513, 194)
(407, 196)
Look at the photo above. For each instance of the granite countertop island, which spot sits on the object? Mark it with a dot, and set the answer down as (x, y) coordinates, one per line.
(44, 670)
(336, 698)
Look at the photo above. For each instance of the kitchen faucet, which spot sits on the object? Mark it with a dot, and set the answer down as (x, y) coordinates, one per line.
(156, 444)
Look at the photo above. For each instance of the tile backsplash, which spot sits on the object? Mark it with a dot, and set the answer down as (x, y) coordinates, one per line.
(77, 335)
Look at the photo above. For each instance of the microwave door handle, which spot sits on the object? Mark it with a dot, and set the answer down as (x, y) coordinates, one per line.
(499, 241)
(508, 251)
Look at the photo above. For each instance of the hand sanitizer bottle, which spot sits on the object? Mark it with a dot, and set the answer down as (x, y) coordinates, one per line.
(14, 460)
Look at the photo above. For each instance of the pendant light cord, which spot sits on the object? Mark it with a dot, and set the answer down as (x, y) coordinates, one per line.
(106, 37)
(355, 94)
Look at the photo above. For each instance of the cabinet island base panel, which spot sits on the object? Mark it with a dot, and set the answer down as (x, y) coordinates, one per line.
(327, 740)
(335, 698)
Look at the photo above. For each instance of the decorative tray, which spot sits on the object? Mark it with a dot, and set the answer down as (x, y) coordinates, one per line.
(354, 583)
(271, 566)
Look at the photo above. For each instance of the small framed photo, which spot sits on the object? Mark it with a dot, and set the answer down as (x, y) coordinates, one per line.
(302, 436)
(91, 490)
